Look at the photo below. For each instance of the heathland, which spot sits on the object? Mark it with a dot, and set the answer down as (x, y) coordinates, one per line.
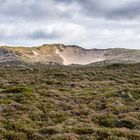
(70, 102)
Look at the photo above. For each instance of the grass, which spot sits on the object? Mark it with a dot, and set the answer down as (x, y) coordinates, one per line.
(70, 103)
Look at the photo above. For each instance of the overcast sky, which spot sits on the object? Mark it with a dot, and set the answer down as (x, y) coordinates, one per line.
(87, 23)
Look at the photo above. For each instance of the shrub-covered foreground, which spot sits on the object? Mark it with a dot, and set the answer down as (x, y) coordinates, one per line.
(70, 103)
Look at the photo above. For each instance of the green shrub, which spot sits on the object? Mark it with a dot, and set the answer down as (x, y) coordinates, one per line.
(35, 136)
(17, 89)
(15, 136)
(128, 122)
(49, 130)
(105, 120)
(83, 130)
(58, 117)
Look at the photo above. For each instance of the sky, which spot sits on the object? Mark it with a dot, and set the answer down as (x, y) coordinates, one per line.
(86, 23)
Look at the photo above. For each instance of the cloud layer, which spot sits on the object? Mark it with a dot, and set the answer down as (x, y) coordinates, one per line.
(88, 23)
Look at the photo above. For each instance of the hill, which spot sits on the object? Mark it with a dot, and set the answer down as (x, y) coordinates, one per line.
(65, 55)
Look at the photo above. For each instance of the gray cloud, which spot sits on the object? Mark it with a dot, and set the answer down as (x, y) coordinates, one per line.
(46, 10)
(32, 10)
(128, 11)
(116, 9)
(40, 34)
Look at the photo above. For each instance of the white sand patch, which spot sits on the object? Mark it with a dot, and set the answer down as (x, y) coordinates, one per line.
(35, 53)
(64, 60)
(70, 58)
